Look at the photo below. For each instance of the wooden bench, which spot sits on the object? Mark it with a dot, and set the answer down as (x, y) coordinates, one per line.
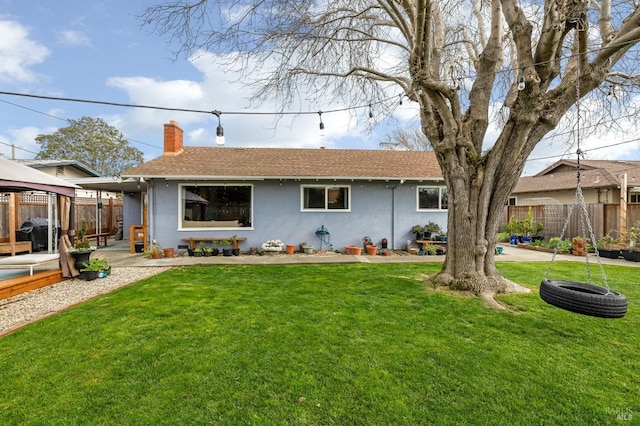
(101, 237)
(17, 247)
(193, 241)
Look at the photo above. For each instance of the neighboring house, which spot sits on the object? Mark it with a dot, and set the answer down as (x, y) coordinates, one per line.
(600, 181)
(288, 194)
(611, 190)
(63, 169)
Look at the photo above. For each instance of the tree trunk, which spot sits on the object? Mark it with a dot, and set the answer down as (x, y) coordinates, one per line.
(478, 189)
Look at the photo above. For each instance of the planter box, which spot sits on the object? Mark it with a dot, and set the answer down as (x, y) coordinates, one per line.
(633, 256)
(609, 254)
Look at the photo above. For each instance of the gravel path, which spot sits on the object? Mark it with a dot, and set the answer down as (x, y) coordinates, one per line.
(24, 308)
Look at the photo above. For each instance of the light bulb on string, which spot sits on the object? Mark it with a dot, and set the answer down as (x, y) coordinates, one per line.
(321, 124)
(371, 120)
(219, 129)
(521, 85)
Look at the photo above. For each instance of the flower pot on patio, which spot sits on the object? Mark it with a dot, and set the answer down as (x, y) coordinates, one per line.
(168, 252)
(353, 250)
(372, 250)
(290, 249)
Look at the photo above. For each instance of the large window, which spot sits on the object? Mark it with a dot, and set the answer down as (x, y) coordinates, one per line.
(216, 206)
(432, 198)
(325, 198)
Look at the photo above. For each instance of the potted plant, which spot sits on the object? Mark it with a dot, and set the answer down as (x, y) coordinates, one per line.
(536, 231)
(226, 251)
(91, 269)
(606, 246)
(418, 230)
(372, 250)
(514, 228)
(154, 251)
(430, 249)
(105, 268)
(527, 226)
(431, 228)
(81, 251)
(633, 238)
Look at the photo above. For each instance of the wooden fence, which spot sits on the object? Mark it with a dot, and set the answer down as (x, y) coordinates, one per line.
(36, 205)
(604, 218)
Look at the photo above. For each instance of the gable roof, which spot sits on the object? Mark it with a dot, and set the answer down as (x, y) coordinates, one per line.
(288, 163)
(39, 164)
(562, 175)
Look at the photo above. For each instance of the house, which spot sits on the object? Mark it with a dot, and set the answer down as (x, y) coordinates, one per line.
(63, 169)
(263, 194)
(600, 181)
(611, 190)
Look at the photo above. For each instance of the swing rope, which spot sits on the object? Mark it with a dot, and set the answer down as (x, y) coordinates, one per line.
(578, 199)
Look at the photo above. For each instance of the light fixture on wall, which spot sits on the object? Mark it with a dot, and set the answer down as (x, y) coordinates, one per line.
(219, 129)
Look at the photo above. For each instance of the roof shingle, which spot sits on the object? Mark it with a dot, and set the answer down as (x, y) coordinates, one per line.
(200, 162)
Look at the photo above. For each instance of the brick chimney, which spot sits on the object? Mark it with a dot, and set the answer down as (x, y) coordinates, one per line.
(172, 138)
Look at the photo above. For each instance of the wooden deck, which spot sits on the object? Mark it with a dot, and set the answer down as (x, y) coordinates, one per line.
(12, 286)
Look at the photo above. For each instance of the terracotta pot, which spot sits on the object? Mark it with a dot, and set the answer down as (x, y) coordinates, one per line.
(168, 252)
(353, 250)
(372, 250)
(156, 255)
(290, 249)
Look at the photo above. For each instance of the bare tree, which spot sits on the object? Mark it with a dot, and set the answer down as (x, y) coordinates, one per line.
(406, 140)
(458, 60)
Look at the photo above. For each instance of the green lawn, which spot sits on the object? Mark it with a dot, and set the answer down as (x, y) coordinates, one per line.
(358, 344)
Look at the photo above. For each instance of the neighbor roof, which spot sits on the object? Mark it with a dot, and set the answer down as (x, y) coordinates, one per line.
(273, 163)
(39, 164)
(562, 175)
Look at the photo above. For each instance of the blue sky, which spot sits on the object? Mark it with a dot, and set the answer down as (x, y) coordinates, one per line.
(97, 50)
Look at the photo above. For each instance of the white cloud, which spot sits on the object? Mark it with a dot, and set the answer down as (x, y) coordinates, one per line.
(23, 139)
(18, 53)
(73, 38)
(221, 91)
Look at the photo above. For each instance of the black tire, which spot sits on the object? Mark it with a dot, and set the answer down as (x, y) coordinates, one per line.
(583, 298)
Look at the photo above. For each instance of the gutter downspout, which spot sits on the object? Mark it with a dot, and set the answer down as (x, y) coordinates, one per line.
(393, 213)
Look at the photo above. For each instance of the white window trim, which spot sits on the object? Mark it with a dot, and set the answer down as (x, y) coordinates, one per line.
(325, 210)
(181, 189)
(439, 188)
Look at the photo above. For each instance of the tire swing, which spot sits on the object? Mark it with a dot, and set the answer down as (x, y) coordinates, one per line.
(582, 298)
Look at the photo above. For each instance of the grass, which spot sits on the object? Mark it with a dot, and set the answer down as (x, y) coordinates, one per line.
(323, 344)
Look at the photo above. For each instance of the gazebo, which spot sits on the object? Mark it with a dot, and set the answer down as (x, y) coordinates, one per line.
(14, 178)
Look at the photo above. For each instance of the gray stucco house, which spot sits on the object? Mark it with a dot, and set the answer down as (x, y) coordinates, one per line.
(287, 194)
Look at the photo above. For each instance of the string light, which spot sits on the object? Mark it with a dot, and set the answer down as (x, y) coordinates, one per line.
(321, 123)
(371, 120)
(219, 129)
(521, 85)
